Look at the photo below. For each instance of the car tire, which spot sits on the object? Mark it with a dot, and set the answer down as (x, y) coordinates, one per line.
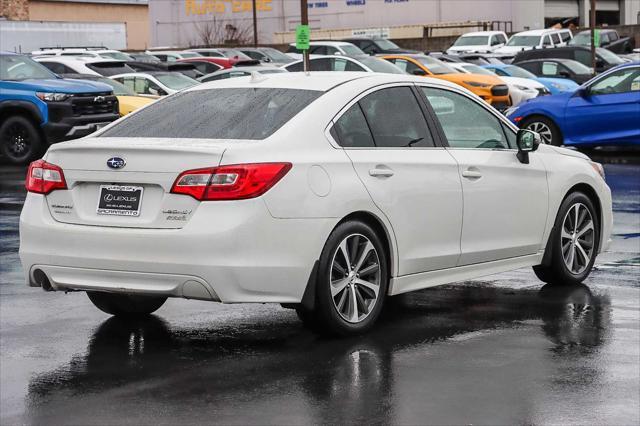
(20, 141)
(544, 126)
(573, 244)
(352, 281)
(125, 304)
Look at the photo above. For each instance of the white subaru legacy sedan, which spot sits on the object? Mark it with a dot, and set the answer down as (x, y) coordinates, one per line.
(326, 193)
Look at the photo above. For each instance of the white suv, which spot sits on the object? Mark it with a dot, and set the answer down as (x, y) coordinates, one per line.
(327, 48)
(479, 42)
(536, 39)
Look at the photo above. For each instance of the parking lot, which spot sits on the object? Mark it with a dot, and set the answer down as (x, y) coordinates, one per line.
(500, 350)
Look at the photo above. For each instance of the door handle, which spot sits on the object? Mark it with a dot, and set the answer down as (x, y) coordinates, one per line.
(379, 172)
(471, 174)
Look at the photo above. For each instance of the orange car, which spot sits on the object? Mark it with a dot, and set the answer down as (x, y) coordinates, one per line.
(490, 88)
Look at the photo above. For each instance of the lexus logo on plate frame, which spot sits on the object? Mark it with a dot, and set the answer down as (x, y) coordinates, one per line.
(116, 163)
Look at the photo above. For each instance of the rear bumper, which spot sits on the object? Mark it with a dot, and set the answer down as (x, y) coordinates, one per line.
(229, 252)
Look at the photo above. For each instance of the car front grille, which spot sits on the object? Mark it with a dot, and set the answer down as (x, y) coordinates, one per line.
(94, 103)
(500, 90)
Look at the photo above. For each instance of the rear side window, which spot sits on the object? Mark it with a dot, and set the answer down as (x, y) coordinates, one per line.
(556, 38)
(231, 113)
(396, 119)
(565, 35)
(352, 130)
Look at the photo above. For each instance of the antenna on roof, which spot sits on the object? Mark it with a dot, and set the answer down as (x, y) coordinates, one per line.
(256, 77)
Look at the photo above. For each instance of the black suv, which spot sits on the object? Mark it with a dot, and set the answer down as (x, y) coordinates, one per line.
(605, 59)
(377, 46)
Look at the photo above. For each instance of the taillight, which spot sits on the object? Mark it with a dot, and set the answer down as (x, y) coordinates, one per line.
(233, 182)
(43, 177)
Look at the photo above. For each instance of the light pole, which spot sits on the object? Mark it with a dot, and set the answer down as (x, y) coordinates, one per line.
(255, 25)
(304, 20)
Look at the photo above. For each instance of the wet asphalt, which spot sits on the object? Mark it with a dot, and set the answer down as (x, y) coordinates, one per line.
(500, 350)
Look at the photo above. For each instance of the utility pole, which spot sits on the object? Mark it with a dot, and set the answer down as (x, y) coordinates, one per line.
(592, 24)
(304, 20)
(255, 25)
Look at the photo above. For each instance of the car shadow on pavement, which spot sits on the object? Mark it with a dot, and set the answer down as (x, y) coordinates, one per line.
(148, 360)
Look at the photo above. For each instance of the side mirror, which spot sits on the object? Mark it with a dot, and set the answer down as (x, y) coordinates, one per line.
(419, 71)
(583, 92)
(527, 141)
(265, 59)
(564, 74)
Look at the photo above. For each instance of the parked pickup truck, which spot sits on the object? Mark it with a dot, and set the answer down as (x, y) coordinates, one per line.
(38, 108)
(609, 39)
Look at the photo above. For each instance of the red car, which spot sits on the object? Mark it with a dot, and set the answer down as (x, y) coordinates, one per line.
(208, 64)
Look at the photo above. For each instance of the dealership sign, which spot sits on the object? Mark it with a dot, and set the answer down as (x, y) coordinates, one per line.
(206, 7)
(372, 32)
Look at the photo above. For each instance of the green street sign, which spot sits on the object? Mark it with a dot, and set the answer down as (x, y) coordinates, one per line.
(302, 37)
(596, 38)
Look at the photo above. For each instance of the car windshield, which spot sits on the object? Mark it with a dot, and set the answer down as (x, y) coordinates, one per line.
(379, 65)
(230, 113)
(436, 66)
(515, 71)
(116, 55)
(609, 57)
(527, 41)
(190, 55)
(176, 81)
(582, 39)
(276, 55)
(472, 41)
(352, 50)
(385, 44)
(577, 67)
(235, 54)
(19, 67)
(474, 69)
(119, 89)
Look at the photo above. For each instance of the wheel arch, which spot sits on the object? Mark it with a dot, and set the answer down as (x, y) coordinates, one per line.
(591, 193)
(23, 108)
(546, 116)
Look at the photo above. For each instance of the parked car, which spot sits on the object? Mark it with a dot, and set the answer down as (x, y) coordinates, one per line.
(222, 52)
(83, 65)
(267, 55)
(155, 83)
(240, 72)
(188, 69)
(198, 207)
(143, 57)
(326, 48)
(377, 46)
(128, 101)
(536, 39)
(490, 88)
(520, 89)
(89, 52)
(38, 108)
(555, 85)
(604, 58)
(485, 58)
(208, 62)
(558, 68)
(363, 63)
(480, 41)
(609, 39)
(603, 111)
(173, 55)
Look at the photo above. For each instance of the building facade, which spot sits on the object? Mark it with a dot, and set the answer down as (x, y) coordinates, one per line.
(134, 14)
(182, 23)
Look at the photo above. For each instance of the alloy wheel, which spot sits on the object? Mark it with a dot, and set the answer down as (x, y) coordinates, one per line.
(18, 140)
(543, 130)
(355, 278)
(577, 238)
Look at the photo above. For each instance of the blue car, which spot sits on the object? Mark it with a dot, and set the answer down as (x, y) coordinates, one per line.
(603, 111)
(555, 85)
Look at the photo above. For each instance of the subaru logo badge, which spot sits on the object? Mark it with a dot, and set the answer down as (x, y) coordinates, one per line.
(116, 163)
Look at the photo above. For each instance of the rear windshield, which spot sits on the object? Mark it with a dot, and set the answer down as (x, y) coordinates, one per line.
(110, 68)
(232, 113)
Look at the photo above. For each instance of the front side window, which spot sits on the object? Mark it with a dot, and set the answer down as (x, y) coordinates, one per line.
(465, 123)
(546, 41)
(625, 80)
(556, 38)
(395, 118)
(549, 68)
(229, 113)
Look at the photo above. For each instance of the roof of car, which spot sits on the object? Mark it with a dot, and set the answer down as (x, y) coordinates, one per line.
(76, 59)
(314, 80)
(481, 33)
